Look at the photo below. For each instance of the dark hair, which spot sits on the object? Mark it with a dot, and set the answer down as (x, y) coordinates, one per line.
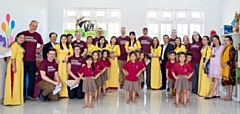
(69, 35)
(172, 52)
(200, 38)
(77, 46)
(97, 54)
(157, 42)
(67, 44)
(104, 44)
(230, 38)
(176, 44)
(165, 36)
(182, 53)
(189, 53)
(103, 51)
(141, 52)
(135, 40)
(132, 52)
(51, 49)
(145, 28)
(89, 57)
(113, 37)
(18, 35)
(52, 34)
(209, 43)
(216, 36)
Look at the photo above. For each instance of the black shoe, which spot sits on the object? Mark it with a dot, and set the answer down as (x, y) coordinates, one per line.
(208, 97)
(216, 97)
(162, 88)
(149, 88)
(194, 93)
(167, 89)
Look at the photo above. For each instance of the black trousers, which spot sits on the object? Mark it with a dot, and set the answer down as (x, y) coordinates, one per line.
(195, 78)
(30, 69)
(164, 78)
(148, 75)
(76, 92)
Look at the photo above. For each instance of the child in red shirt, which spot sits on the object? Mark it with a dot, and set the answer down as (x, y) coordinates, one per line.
(141, 76)
(189, 59)
(132, 69)
(101, 66)
(182, 72)
(170, 78)
(105, 75)
(86, 73)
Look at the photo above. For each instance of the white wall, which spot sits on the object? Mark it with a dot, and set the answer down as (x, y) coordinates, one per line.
(229, 7)
(134, 11)
(23, 11)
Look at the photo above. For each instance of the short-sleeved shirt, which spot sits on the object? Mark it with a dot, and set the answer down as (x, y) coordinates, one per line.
(81, 44)
(30, 45)
(76, 64)
(180, 49)
(121, 42)
(88, 72)
(106, 62)
(145, 43)
(143, 63)
(95, 41)
(49, 67)
(169, 66)
(187, 46)
(196, 51)
(182, 70)
(100, 65)
(132, 69)
(191, 65)
(172, 41)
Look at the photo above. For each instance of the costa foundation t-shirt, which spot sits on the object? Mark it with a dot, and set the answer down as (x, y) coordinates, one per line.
(49, 67)
(76, 64)
(30, 45)
(172, 41)
(81, 44)
(196, 51)
(145, 43)
(121, 42)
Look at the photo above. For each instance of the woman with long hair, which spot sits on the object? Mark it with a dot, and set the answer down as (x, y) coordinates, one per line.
(90, 46)
(178, 45)
(156, 75)
(132, 44)
(13, 94)
(186, 42)
(102, 44)
(204, 82)
(228, 67)
(64, 51)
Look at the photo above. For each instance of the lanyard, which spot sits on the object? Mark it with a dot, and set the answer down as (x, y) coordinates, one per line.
(215, 49)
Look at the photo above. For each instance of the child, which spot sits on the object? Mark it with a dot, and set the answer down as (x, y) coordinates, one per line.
(132, 69)
(141, 76)
(189, 58)
(182, 72)
(105, 75)
(86, 73)
(138, 54)
(170, 78)
(101, 66)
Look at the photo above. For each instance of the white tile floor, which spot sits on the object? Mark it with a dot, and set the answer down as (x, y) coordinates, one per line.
(151, 102)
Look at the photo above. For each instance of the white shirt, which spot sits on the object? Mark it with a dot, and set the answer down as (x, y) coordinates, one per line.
(52, 44)
(164, 48)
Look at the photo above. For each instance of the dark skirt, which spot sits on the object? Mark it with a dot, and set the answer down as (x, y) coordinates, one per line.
(89, 85)
(140, 78)
(104, 76)
(181, 83)
(131, 86)
(171, 83)
(99, 81)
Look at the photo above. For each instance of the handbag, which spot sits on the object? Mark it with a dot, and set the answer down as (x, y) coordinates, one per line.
(206, 69)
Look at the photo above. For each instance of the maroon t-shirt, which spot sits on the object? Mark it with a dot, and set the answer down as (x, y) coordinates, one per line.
(100, 65)
(88, 72)
(172, 41)
(132, 69)
(76, 64)
(30, 45)
(121, 42)
(145, 43)
(188, 45)
(169, 66)
(82, 44)
(95, 41)
(49, 67)
(106, 62)
(196, 51)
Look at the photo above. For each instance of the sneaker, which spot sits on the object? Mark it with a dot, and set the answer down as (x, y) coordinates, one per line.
(31, 99)
(43, 98)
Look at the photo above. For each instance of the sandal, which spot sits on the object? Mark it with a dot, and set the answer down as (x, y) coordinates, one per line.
(85, 106)
(185, 106)
(127, 102)
(177, 106)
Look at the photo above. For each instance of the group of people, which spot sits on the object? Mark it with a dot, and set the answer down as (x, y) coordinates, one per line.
(98, 65)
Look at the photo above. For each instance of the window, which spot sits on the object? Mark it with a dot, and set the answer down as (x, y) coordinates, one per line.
(107, 19)
(185, 21)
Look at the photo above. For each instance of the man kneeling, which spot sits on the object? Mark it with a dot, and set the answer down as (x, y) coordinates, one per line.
(48, 77)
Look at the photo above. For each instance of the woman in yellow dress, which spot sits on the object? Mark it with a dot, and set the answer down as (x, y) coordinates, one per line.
(112, 82)
(132, 44)
(91, 47)
(102, 45)
(156, 74)
(64, 50)
(204, 82)
(13, 94)
(178, 46)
